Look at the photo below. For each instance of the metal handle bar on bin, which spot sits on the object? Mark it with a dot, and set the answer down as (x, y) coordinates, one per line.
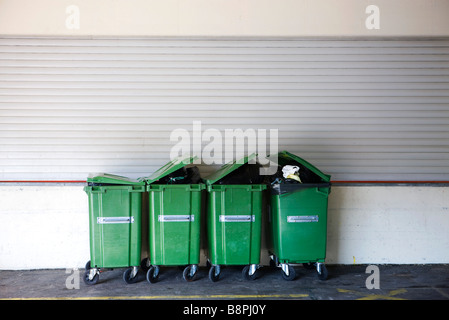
(237, 218)
(114, 220)
(176, 218)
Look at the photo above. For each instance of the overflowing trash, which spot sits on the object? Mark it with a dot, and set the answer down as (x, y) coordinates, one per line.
(297, 227)
(291, 172)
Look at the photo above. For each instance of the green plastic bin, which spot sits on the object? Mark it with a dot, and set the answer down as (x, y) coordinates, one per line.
(297, 222)
(115, 210)
(174, 222)
(234, 214)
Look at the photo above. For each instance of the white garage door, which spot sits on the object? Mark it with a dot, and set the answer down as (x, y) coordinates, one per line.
(359, 110)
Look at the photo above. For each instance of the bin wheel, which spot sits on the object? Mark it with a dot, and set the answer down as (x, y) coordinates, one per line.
(92, 281)
(291, 274)
(186, 274)
(246, 275)
(144, 265)
(152, 274)
(214, 274)
(322, 271)
(127, 276)
(88, 267)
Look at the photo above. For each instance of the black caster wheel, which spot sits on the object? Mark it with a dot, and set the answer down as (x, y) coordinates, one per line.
(246, 275)
(214, 273)
(127, 276)
(152, 274)
(90, 281)
(291, 274)
(187, 274)
(322, 272)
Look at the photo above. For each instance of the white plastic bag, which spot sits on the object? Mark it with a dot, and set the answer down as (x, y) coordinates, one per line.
(291, 172)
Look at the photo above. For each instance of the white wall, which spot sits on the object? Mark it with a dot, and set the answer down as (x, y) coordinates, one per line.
(47, 226)
(43, 227)
(388, 225)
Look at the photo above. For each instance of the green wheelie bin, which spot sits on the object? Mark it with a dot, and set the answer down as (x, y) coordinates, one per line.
(297, 222)
(174, 194)
(115, 210)
(234, 213)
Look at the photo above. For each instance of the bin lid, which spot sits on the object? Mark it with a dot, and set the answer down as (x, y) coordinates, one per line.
(170, 167)
(285, 157)
(107, 178)
(228, 168)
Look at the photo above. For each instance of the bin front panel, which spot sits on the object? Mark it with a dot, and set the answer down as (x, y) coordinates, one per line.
(299, 225)
(234, 225)
(115, 228)
(174, 224)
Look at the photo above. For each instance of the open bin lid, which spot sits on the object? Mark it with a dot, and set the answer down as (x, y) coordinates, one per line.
(285, 158)
(228, 168)
(170, 167)
(111, 179)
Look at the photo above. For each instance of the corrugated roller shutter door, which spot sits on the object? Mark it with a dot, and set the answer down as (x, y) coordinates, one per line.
(359, 110)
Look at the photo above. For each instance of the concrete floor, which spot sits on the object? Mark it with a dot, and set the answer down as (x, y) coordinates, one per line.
(345, 282)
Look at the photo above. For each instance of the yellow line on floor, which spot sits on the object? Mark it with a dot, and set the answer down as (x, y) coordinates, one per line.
(172, 297)
(370, 296)
(389, 296)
